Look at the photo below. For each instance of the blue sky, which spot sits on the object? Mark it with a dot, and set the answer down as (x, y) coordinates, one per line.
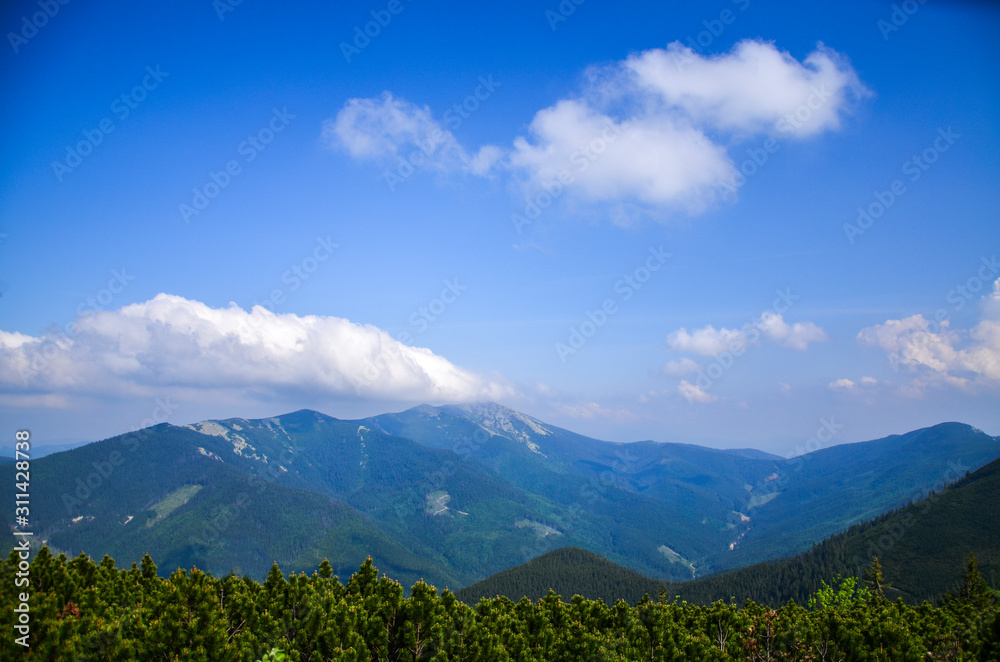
(633, 222)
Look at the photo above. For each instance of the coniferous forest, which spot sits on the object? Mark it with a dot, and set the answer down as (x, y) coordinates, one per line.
(560, 331)
(82, 610)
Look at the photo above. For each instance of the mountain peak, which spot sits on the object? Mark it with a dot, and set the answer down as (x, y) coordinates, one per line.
(496, 419)
(506, 422)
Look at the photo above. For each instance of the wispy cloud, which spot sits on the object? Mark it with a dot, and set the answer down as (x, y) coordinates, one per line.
(680, 367)
(386, 128)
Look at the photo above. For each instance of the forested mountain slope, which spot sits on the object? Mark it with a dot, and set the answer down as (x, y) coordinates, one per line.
(921, 548)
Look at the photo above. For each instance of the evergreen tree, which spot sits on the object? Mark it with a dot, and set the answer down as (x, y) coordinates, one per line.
(83, 611)
(975, 591)
(875, 581)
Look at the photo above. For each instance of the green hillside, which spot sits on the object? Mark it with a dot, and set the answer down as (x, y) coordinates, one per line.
(921, 548)
(568, 571)
(159, 492)
(827, 491)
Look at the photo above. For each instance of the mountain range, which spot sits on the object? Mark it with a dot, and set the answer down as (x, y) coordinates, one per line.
(455, 494)
(922, 548)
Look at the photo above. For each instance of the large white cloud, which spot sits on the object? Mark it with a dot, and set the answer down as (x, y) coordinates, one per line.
(754, 88)
(934, 348)
(653, 129)
(656, 159)
(170, 341)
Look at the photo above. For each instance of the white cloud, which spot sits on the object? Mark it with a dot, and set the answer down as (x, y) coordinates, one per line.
(658, 160)
(652, 394)
(369, 128)
(754, 88)
(852, 386)
(983, 357)
(794, 336)
(910, 342)
(652, 130)
(991, 302)
(641, 129)
(483, 161)
(386, 129)
(680, 367)
(693, 393)
(936, 349)
(710, 341)
(174, 342)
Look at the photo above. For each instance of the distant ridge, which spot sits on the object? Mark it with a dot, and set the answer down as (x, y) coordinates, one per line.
(921, 547)
(455, 494)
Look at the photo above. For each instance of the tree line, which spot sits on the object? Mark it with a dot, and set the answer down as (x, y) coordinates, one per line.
(81, 610)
